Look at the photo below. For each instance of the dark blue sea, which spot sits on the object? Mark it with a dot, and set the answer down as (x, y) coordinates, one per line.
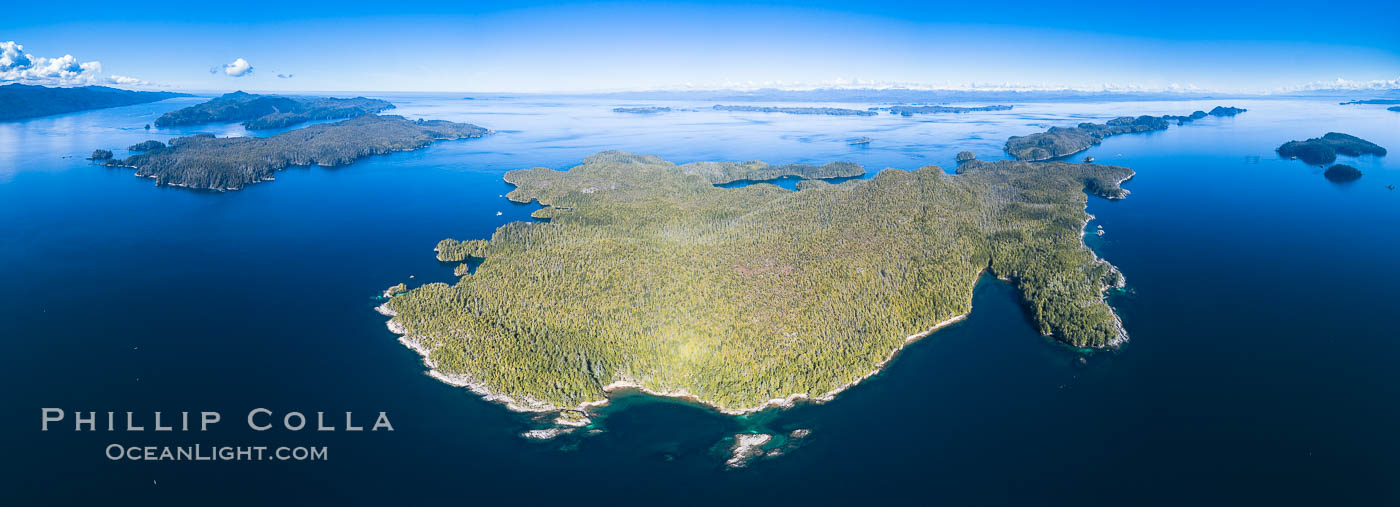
(1261, 306)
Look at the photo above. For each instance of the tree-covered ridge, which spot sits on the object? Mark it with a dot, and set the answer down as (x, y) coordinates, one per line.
(1064, 141)
(18, 101)
(648, 273)
(231, 163)
(831, 111)
(258, 112)
(913, 110)
(146, 146)
(451, 250)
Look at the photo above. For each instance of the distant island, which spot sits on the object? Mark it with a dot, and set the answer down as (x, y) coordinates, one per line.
(1342, 173)
(261, 112)
(642, 110)
(1373, 101)
(1323, 150)
(1064, 141)
(1396, 109)
(18, 101)
(1226, 111)
(230, 163)
(831, 111)
(647, 275)
(913, 110)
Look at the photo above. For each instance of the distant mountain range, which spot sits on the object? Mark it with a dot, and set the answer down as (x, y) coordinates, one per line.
(19, 101)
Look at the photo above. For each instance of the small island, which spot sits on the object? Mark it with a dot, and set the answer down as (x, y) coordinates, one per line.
(830, 111)
(19, 101)
(1064, 141)
(642, 110)
(647, 275)
(913, 110)
(1323, 150)
(1396, 109)
(965, 156)
(261, 112)
(1373, 102)
(206, 162)
(1342, 173)
(1226, 111)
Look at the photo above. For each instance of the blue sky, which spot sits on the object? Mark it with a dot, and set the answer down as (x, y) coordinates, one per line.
(571, 47)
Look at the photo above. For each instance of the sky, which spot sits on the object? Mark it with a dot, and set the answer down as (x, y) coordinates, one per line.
(543, 47)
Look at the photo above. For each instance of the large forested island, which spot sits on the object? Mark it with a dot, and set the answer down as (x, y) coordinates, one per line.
(258, 112)
(231, 163)
(18, 101)
(1323, 150)
(1064, 141)
(648, 275)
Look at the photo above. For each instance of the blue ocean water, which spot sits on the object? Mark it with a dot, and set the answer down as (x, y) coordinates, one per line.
(1260, 307)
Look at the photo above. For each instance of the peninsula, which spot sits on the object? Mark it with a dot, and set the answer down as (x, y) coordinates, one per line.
(1323, 150)
(647, 275)
(230, 163)
(913, 110)
(1064, 141)
(19, 101)
(830, 111)
(260, 112)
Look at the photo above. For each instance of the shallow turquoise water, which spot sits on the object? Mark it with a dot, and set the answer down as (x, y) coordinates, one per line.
(1260, 300)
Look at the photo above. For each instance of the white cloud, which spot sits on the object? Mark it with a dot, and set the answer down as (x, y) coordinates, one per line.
(18, 66)
(12, 56)
(238, 68)
(1341, 84)
(124, 80)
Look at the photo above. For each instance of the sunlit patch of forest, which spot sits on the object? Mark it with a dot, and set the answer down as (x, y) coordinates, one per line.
(647, 272)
